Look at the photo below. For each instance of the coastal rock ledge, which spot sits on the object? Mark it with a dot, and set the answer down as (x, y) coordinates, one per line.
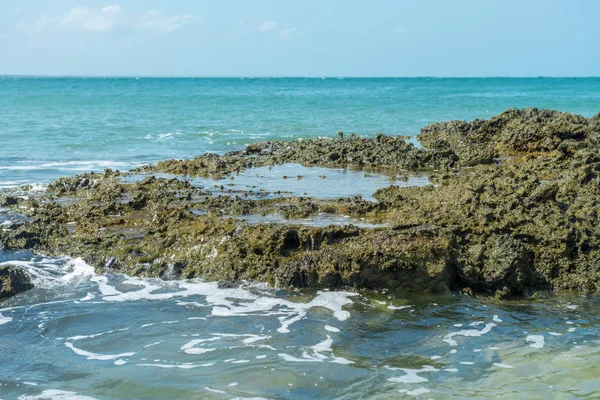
(512, 207)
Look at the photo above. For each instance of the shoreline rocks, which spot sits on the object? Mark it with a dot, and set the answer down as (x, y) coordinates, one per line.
(13, 281)
(515, 209)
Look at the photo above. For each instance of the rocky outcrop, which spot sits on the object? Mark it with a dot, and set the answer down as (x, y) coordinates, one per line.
(515, 208)
(511, 133)
(13, 281)
(351, 152)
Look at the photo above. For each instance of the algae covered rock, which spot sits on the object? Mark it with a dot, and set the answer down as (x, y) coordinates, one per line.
(13, 281)
(513, 208)
(507, 264)
(511, 132)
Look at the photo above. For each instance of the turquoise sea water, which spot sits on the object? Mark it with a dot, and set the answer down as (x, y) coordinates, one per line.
(81, 334)
(52, 127)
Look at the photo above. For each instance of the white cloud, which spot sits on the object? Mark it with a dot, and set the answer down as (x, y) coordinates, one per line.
(90, 19)
(267, 26)
(39, 24)
(152, 14)
(106, 19)
(152, 20)
(112, 9)
(286, 33)
(399, 30)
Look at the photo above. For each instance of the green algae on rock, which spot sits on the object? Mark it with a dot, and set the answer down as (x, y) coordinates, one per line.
(514, 209)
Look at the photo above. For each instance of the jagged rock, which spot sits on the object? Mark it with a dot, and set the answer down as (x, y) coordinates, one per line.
(522, 217)
(512, 132)
(13, 281)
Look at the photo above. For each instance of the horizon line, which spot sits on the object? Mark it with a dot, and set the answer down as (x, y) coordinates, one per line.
(288, 76)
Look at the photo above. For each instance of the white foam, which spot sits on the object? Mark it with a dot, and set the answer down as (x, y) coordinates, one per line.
(4, 320)
(219, 298)
(412, 375)
(248, 339)
(53, 394)
(324, 346)
(468, 333)
(496, 319)
(38, 187)
(397, 307)
(95, 356)
(537, 341)
(341, 360)
(95, 335)
(503, 365)
(306, 358)
(315, 354)
(80, 270)
(190, 349)
(71, 165)
(292, 312)
(329, 328)
(48, 273)
(418, 391)
(180, 366)
(88, 297)
(214, 390)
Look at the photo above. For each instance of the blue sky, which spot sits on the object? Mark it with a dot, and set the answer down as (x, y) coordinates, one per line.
(300, 38)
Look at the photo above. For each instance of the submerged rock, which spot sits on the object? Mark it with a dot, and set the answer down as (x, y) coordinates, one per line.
(515, 209)
(13, 281)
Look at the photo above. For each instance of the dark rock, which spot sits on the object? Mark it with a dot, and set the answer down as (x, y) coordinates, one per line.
(8, 201)
(13, 281)
(545, 191)
(508, 264)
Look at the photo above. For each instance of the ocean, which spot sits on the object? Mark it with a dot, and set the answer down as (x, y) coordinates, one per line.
(80, 334)
(51, 127)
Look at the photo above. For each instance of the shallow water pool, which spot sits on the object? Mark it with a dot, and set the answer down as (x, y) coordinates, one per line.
(297, 180)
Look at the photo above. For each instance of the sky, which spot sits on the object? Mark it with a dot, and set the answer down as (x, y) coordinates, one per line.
(399, 38)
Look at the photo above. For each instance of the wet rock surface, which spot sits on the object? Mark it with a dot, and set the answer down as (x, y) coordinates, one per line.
(514, 209)
(13, 281)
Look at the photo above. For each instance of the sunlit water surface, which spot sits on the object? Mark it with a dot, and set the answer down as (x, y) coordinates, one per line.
(111, 336)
